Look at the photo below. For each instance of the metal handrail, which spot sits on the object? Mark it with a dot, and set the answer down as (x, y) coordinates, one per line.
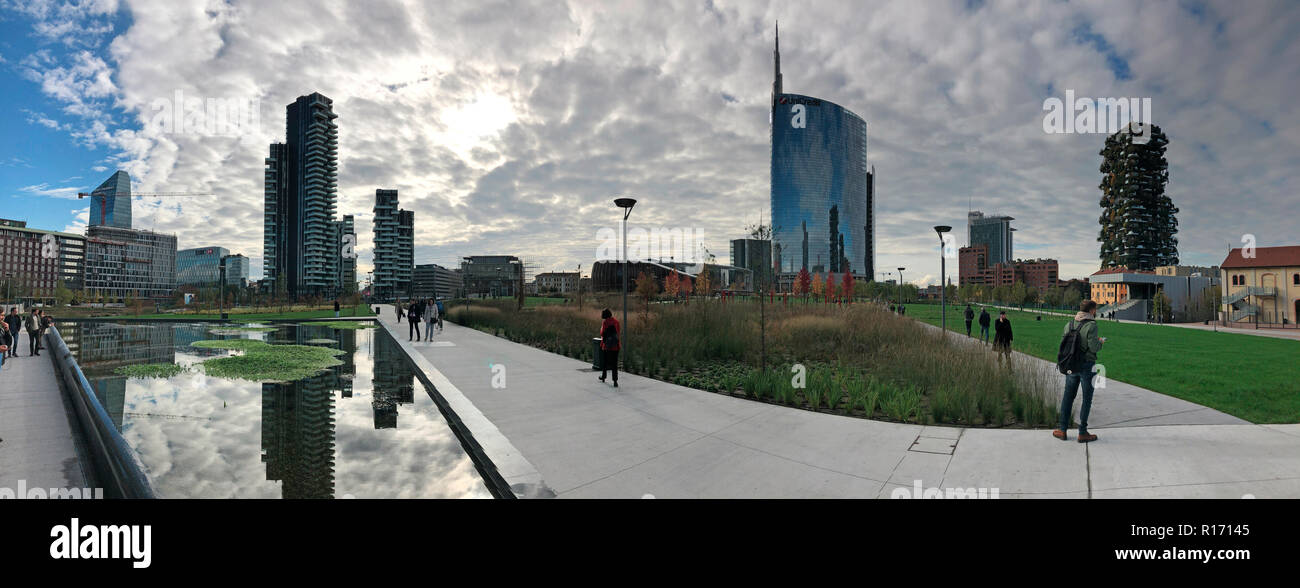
(115, 466)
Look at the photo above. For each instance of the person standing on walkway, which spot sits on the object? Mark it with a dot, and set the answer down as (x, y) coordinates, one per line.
(430, 317)
(33, 326)
(1082, 358)
(970, 316)
(47, 321)
(610, 332)
(398, 308)
(6, 343)
(1002, 338)
(413, 319)
(14, 324)
(984, 324)
(336, 309)
(441, 312)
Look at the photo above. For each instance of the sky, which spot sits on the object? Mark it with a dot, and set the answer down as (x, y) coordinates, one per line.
(510, 126)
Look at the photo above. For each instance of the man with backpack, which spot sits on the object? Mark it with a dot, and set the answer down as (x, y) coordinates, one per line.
(1075, 359)
(970, 316)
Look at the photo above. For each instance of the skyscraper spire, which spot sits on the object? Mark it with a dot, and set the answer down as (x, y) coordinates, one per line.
(776, 82)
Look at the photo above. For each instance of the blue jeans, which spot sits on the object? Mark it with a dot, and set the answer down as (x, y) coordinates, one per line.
(984, 333)
(1072, 382)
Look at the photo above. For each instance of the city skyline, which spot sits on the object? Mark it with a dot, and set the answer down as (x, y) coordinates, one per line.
(513, 144)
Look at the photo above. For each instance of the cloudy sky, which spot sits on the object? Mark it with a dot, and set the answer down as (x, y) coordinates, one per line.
(508, 126)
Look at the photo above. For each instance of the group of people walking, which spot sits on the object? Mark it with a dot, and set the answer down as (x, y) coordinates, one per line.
(1002, 334)
(35, 323)
(427, 311)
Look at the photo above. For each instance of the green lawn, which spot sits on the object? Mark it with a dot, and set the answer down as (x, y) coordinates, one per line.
(242, 314)
(1255, 378)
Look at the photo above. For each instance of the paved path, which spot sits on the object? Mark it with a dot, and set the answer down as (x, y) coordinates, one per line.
(36, 443)
(589, 440)
(1238, 328)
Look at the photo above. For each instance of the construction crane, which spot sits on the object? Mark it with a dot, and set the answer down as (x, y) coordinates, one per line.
(103, 204)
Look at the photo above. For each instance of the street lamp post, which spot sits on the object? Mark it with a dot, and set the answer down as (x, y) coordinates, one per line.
(943, 278)
(626, 204)
(900, 286)
(221, 290)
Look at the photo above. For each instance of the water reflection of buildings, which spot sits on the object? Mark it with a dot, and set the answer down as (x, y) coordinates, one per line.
(394, 382)
(103, 347)
(298, 428)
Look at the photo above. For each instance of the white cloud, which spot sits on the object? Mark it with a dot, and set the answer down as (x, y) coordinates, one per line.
(509, 126)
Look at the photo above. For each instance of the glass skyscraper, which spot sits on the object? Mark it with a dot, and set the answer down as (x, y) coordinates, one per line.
(110, 203)
(822, 200)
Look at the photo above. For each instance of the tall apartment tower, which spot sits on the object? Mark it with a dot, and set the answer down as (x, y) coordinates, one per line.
(348, 267)
(394, 247)
(992, 230)
(1138, 220)
(301, 235)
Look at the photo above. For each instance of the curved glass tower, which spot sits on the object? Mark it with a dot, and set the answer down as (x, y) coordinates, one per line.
(821, 187)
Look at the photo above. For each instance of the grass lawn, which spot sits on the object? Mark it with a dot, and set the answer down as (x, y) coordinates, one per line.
(259, 314)
(1254, 378)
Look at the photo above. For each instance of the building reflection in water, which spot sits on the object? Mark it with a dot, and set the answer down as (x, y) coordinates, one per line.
(102, 347)
(394, 382)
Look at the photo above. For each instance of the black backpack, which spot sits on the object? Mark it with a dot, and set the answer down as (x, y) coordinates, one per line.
(610, 337)
(1071, 357)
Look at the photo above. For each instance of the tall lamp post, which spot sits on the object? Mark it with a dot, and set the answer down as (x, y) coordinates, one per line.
(943, 278)
(900, 285)
(626, 204)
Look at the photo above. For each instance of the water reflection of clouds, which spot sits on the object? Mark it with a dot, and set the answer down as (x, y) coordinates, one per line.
(202, 437)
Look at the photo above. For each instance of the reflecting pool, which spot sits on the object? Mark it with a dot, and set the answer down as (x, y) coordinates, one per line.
(365, 429)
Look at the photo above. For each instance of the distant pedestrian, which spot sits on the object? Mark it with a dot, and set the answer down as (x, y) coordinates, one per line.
(430, 317)
(970, 316)
(33, 326)
(398, 308)
(47, 321)
(610, 332)
(1002, 338)
(1076, 359)
(6, 343)
(14, 324)
(336, 309)
(441, 311)
(413, 319)
(985, 319)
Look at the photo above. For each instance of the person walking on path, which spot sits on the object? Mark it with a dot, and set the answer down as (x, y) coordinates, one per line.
(970, 316)
(413, 319)
(441, 311)
(47, 321)
(33, 325)
(984, 324)
(336, 309)
(1079, 360)
(14, 324)
(6, 343)
(430, 317)
(610, 332)
(1002, 338)
(398, 308)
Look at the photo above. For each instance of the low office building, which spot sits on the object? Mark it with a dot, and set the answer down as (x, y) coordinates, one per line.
(1130, 294)
(1263, 288)
(562, 282)
(129, 263)
(201, 266)
(973, 267)
(435, 281)
(491, 276)
(34, 263)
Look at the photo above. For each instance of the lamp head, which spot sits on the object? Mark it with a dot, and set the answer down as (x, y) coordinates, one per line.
(625, 202)
(941, 229)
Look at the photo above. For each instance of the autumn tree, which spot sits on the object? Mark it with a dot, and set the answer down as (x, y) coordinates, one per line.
(803, 282)
(686, 286)
(847, 285)
(818, 286)
(646, 288)
(830, 286)
(672, 285)
(705, 284)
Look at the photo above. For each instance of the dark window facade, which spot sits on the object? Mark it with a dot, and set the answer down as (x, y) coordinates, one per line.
(821, 197)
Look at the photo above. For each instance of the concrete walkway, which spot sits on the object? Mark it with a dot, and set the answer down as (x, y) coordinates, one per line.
(586, 439)
(36, 443)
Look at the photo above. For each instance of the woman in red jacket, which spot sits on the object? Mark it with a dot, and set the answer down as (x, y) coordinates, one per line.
(610, 331)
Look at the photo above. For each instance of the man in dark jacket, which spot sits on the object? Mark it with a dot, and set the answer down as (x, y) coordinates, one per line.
(970, 316)
(1086, 323)
(47, 321)
(14, 324)
(984, 324)
(1002, 338)
(610, 343)
(33, 326)
(413, 315)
